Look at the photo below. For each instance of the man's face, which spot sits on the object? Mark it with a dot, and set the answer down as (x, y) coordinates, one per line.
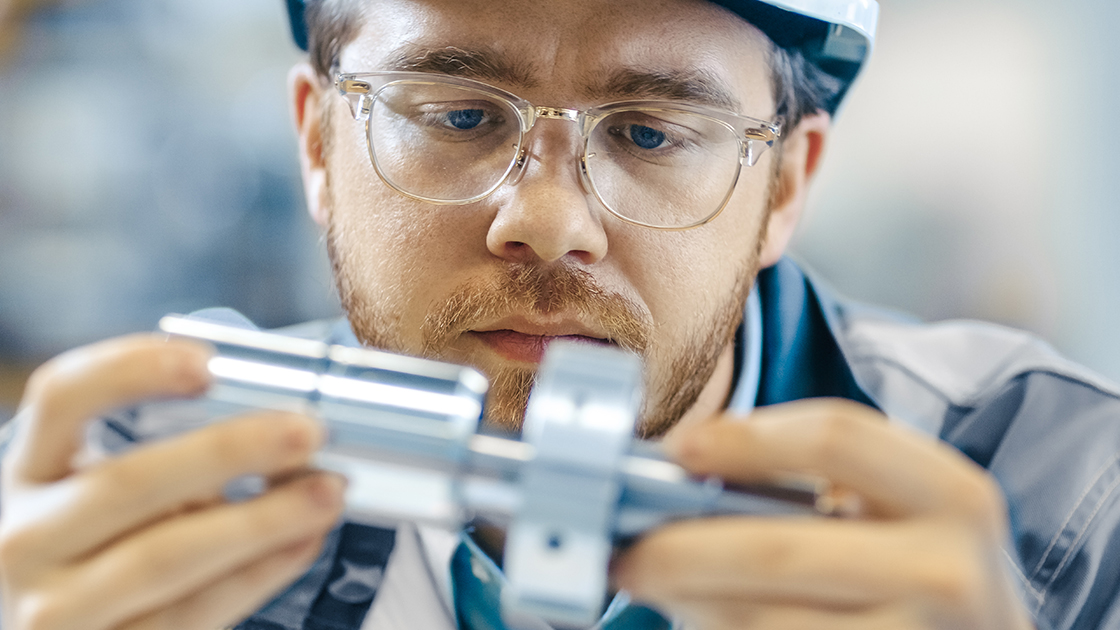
(491, 283)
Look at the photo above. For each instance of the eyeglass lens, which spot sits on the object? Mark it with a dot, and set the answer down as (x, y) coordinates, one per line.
(442, 142)
(662, 167)
(451, 143)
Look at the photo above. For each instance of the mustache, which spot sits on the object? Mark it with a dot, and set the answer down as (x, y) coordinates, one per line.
(521, 288)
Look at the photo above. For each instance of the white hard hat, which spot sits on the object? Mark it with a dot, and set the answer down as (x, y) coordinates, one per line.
(835, 35)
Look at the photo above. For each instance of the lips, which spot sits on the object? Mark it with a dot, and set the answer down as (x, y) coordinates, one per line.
(523, 347)
(524, 339)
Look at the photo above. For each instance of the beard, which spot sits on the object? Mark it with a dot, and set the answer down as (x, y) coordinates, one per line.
(528, 288)
(532, 288)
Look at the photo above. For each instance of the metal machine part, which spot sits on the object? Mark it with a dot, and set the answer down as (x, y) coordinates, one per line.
(404, 432)
(580, 420)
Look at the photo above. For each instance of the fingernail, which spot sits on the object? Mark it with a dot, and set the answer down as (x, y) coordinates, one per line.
(191, 364)
(302, 434)
(326, 491)
(690, 442)
(621, 573)
(308, 548)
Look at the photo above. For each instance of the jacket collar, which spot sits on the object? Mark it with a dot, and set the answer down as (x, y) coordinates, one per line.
(801, 357)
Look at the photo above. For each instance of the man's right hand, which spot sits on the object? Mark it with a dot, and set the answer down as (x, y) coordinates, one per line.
(145, 540)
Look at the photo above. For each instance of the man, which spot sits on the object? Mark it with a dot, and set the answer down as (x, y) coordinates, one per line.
(461, 231)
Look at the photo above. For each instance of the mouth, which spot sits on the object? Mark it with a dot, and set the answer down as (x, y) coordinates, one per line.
(517, 346)
(526, 342)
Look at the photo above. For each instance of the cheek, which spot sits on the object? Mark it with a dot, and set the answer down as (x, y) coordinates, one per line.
(370, 229)
(684, 285)
(687, 277)
(396, 252)
(397, 243)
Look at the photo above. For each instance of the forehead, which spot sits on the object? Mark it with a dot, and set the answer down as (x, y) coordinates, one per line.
(574, 49)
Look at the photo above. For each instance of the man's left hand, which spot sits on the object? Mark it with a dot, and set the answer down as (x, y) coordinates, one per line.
(924, 553)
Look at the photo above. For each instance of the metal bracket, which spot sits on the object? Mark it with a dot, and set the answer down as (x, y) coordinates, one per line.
(580, 419)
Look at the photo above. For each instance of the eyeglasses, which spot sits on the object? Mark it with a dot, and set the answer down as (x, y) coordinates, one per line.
(452, 141)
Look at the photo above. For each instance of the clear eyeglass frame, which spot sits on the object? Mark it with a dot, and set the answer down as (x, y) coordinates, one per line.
(754, 135)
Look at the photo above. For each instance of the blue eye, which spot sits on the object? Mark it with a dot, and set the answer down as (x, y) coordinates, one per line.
(646, 137)
(465, 118)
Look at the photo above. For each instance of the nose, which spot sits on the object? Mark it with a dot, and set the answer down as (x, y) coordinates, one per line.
(544, 213)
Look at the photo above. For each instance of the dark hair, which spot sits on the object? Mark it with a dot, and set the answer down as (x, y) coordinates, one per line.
(800, 86)
(331, 25)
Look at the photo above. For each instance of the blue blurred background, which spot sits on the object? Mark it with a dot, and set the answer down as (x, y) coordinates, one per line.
(147, 165)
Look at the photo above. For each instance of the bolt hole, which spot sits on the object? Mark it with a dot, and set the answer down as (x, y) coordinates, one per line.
(555, 541)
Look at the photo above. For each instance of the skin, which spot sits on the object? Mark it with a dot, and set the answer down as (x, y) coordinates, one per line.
(399, 259)
(144, 540)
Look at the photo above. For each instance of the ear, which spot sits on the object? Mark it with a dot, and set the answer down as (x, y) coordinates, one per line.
(800, 156)
(305, 90)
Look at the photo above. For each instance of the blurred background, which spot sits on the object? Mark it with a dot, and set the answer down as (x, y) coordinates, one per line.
(147, 166)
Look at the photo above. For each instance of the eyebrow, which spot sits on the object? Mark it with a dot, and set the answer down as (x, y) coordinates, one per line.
(483, 64)
(488, 64)
(694, 86)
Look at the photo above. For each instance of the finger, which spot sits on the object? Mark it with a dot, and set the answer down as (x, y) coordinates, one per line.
(92, 381)
(897, 471)
(157, 566)
(124, 493)
(226, 601)
(229, 598)
(810, 562)
(734, 615)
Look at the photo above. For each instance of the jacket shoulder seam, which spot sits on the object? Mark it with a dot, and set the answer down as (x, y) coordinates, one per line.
(1015, 362)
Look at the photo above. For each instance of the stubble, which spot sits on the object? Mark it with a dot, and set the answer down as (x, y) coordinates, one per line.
(529, 288)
